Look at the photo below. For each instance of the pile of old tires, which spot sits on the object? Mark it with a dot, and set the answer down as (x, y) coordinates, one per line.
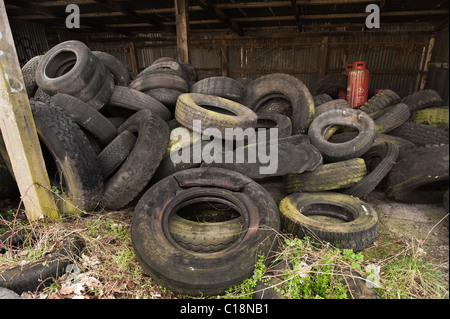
(107, 141)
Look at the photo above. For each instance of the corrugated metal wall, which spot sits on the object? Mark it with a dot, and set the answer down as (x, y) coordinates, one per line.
(395, 61)
(30, 39)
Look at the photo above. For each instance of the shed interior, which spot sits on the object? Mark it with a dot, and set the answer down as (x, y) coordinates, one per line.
(249, 38)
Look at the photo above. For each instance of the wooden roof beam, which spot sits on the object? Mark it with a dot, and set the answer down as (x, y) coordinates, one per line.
(221, 16)
(132, 14)
(60, 19)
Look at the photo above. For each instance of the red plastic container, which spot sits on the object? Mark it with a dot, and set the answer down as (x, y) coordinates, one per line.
(358, 84)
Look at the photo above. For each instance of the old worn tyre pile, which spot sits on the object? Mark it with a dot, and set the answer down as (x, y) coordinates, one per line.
(107, 140)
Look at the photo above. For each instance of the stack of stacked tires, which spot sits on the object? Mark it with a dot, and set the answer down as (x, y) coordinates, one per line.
(108, 141)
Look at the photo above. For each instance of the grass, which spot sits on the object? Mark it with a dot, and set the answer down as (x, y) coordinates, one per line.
(300, 268)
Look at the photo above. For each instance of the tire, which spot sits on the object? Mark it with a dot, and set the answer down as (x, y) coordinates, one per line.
(421, 177)
(347, 150)
(275, 120)
(139, 167)
(433, 116)
(331, 105)
(29, 75)
(321, 99)
(380, 101)
(359, 230)
(379, 161)
(159, 80)
(43, 272)
(276, 105)
(189, 273)
(220, 86)
(423, 99)
(286, 86)
(135, 100)
(190, 106)
(115, 67)
(115, 153)
(86, 117)
(330, 176)
(205, 237)
(420, 134)
(167, 97)
(307, 158)
(330, 84)
(8, 185)
(389, 118)
(71, 68)
(68, 152)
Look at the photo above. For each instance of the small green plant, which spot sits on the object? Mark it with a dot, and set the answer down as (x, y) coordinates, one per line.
(245, 289)
(312, 271)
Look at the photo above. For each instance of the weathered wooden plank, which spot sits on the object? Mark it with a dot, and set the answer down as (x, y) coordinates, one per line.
(19, 132)
(182, 27)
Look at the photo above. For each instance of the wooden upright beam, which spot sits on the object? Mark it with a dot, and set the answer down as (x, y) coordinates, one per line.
(19, 132)
(182, 26)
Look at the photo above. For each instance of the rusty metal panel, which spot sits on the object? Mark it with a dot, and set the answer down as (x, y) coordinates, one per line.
(438, 77)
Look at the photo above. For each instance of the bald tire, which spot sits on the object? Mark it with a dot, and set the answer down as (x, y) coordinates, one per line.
(330, 176)
(358, 231)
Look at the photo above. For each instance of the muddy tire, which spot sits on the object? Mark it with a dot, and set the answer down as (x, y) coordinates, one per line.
(332, 105)
(379, 161)
(191, 106)
(187, 272)
(380, 101)
(421, 134)
(271, 86)
(70, 159)
(131, 99)
(330, 176)
(347, 150)
(29, 75)
(275, 120)
(423, 99)
(389, 118)
(421, 177)
(139, 167)
(358, 231)
(115, 67)
(86, 117)
(330, 84)
(219, 86)
(433, 116)
(115, 153)
(42, 273)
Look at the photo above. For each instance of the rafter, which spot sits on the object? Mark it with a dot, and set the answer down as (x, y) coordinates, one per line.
(119, 7)
(60, 19)
(220, 15)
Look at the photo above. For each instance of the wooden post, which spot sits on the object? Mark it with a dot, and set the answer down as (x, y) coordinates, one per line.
(134, 59)
(426, 62)
(224, 59)
(323, 57)
(182, 25)
(19, 132)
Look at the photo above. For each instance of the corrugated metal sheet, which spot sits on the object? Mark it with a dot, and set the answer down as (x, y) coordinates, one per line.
(29, 38)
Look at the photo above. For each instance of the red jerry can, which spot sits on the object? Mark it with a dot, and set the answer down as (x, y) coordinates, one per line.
(343, 93)
(358, 84)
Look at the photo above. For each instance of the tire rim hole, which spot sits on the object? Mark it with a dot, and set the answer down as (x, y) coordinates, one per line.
(216, 109)
(327, 213)
(208, 212)
(60, 64)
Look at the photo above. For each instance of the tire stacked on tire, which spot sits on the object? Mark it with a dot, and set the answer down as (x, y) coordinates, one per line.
(107, 139)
